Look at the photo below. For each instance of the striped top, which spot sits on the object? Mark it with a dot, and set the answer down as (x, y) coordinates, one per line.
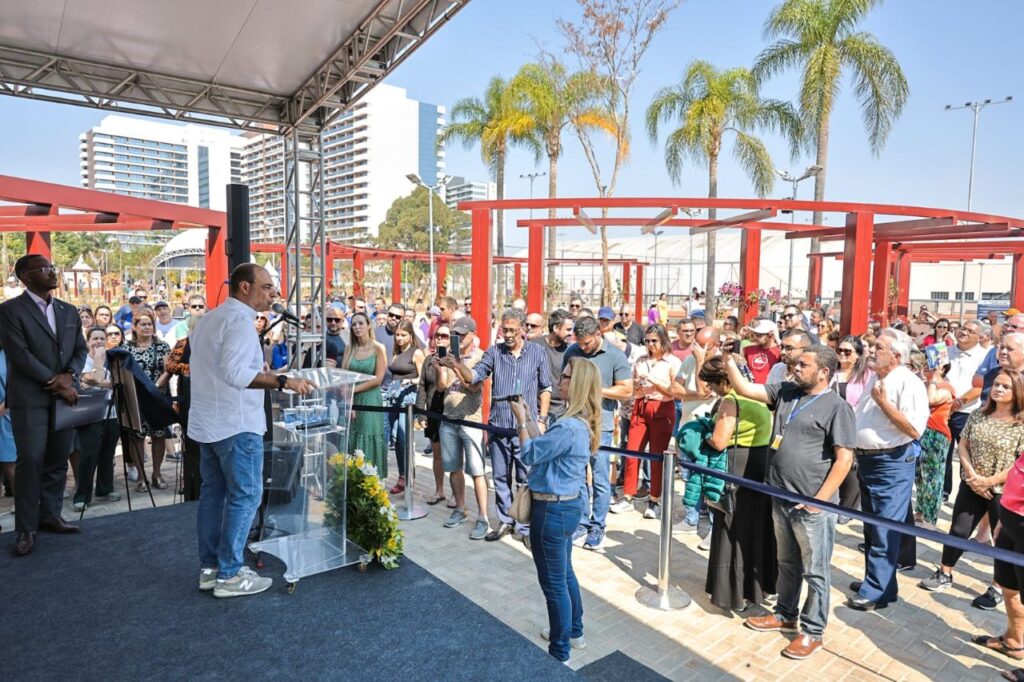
(526, 374)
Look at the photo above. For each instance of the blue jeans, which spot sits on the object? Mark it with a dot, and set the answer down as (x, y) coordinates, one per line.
(400, 397)
(551, 528)
(804, 541)
(232, 471)
(594, 511)
(886, 479)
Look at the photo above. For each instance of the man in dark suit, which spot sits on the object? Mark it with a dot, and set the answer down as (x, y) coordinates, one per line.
(45, 355)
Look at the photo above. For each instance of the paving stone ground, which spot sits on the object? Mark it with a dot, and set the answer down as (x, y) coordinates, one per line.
(925, 636)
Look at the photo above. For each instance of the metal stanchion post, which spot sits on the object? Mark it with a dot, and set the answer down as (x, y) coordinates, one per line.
(666, 597)
(409, 510)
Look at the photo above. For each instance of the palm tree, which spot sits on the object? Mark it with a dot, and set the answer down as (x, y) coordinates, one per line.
(495, 122)
(708, 104)
(553, 100)
(819, 37)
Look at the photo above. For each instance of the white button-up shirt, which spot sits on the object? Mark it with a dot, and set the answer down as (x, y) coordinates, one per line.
(875, 431)
(226, 357)
(962, 366)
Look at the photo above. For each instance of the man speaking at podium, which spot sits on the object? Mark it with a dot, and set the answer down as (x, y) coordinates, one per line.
(227, 419)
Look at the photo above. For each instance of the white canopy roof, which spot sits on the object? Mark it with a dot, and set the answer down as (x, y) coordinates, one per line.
(263, 64)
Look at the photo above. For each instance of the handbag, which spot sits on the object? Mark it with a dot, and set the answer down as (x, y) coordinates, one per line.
(727, 502)
(91, 407)
(522, 505)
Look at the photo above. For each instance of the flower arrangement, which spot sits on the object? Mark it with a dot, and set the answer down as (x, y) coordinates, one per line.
(775, 296)
(372, 521)
(730, 290)
(753, 298)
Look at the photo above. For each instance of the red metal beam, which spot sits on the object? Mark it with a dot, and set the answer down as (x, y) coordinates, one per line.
(625, 284)
(1017, 291)
(396, 279)
(73, 218)
(480, 289)
(358, 274)
(442, 277)
(854, 311)
(216, 266)
(736, 220)
(750, 271)
(139, 225)
(997, 246)
(880, 275)
(639, 313)
(675, 222)
(535, 274)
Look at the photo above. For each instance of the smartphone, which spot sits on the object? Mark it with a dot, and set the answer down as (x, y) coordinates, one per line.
(728, 346)
(456, 351)
(442, 351)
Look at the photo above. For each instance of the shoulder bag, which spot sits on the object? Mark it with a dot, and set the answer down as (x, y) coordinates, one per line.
(727, 502)
(521, 505)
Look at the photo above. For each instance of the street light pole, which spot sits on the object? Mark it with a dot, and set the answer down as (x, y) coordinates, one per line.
(811, 171)
(415, 179)
(976, 108)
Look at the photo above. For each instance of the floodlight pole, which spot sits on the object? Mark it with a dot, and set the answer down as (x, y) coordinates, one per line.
(811, 171)
(976, 108)
(415, 179)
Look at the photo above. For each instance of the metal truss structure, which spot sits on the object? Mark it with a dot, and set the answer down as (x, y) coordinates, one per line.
(385, 38)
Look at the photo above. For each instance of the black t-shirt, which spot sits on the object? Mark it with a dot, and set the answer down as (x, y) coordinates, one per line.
(555, 368)
(819, 424)
(335, 348)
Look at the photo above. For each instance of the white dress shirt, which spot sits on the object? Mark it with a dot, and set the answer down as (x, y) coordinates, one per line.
(962, 366)
(46, 307)
(875, 431)
(226, 357)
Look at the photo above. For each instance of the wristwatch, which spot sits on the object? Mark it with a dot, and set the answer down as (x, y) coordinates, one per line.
(75, 376)
(282, 379)
(545, 420)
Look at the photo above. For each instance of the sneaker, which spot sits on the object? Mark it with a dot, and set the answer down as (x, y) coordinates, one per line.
(207, 579)
(643, 493)
(685, 526)
(79, 506)
(705, 543)
(843, 520)
(653, 510)
(988, 601)
(579, 536)
(621, 506)
(574, 642)
(133, 474)
(905, 568)
(771, 623)
(594, 539)
(429, 450)
(480, 530)
(457, 517)
(937, 581)
(245, 582)
(109, 497)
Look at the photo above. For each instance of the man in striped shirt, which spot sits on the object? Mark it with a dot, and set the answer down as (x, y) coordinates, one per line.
(516, 368)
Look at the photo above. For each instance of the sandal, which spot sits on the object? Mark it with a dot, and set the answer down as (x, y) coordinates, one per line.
(1015, 675)
(999, 645)
(158, 482)
(398, 487)
(435, 500)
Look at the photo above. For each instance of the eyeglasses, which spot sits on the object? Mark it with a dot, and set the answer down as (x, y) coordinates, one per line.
(564, 377)
(48, 269)
(197, 307)
(651, 342)
(844, 351)
(532, 326)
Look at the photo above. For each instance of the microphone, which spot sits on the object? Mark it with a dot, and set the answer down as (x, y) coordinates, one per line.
(284, 312)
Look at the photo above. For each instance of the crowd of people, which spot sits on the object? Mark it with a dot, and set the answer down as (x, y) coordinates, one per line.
(871, 422)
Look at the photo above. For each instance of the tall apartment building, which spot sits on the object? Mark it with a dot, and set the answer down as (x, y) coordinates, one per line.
(187, 164)
(461, 189)
(368, 152)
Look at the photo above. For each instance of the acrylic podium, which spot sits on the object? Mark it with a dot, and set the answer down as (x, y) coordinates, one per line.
(307, 432)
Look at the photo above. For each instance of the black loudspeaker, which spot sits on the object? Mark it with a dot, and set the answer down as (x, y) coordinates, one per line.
(237, 245)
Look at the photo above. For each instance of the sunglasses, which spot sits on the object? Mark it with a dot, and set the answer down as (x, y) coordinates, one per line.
(532, 326)
(575, 305)
(651, 342)
(197, 307)
(442, 336)
(788, 315)
(394, 316)
(333, 319)
(844, 351)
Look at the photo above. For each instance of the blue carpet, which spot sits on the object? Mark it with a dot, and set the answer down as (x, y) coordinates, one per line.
(119, 602)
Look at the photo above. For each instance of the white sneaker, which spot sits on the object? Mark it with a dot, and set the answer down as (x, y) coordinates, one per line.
(622, 506)
(574, 642)
(207, 579)
(133, 474)
(244, 583)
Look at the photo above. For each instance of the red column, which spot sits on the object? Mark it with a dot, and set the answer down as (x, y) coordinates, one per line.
(442, 276)
(1017, 282)
(903, 284)
(625, 283)
(396, 279)
(639, 314)
(216, 267)
(329, 267)
(358, 273)
(814, 281)
(38, 244)
(517, 277)
(285, 280)
(535, 273)
(750, 271)
(880, 282)
(860, 229)
(480, 291)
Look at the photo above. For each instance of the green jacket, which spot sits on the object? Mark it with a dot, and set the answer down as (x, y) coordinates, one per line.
(693, 446)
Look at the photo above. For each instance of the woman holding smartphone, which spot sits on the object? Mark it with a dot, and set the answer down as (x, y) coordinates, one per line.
(558, 467)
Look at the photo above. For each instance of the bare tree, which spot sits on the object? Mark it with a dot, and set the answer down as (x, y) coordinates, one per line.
(610, 40)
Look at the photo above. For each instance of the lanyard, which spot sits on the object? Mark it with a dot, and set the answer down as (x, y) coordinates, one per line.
(797, 409)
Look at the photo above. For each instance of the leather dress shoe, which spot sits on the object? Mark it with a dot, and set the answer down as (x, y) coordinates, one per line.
(498, 533)
(861, 604)
(855, 586)
(58, 525)
(25, 543)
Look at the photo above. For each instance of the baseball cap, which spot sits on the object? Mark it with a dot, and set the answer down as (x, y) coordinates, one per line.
(135, 300)
(1011, 312)
(697, 313)
(763, 327)
(464, 325)
(606, 313)
(161, 304)
(434, 310)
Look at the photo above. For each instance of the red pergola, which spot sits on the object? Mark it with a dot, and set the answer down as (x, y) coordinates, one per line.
(866, 240)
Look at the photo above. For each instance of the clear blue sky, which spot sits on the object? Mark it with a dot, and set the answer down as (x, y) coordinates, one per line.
(951, 52)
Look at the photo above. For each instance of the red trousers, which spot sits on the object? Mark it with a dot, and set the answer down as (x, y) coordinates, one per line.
(651, 425)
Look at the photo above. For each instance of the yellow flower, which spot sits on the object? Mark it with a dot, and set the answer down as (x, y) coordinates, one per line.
(337, 459)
